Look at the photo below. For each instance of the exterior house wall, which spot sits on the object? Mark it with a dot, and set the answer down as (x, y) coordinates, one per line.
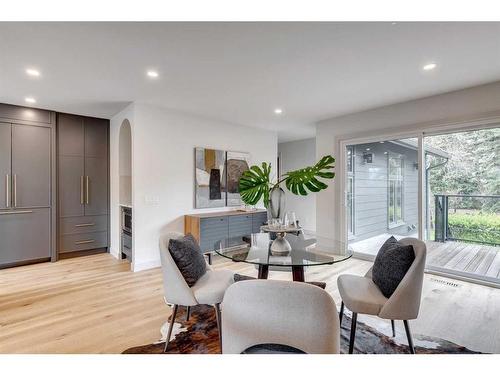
(371, 191)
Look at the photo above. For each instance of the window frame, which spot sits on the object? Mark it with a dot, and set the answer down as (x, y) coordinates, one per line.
(398, 181)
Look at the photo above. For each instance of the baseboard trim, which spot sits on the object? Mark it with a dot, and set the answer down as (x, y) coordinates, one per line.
(142, 266)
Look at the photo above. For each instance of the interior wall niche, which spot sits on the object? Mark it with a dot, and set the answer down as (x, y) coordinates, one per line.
(125, 164)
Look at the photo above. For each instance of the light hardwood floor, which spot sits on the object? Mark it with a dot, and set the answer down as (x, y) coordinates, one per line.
(95, 304)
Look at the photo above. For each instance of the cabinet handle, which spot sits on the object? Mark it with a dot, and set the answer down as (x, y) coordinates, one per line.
(84, 225)
(15, 212)
(81, 189)
(84, 242)
(15, 190)
(87, 189)
(7, 189)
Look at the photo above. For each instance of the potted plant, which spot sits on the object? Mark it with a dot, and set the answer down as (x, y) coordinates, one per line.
(256, 184)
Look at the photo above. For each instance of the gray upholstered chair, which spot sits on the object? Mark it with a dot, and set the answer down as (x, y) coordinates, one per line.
(361, 296)
(209, 289)
(293, 314)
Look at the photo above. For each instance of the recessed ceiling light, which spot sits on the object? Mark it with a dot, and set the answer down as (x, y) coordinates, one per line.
(278, 111)
(152, 74)
(29, 99)
(429, 66)
(33, 72)
(368, 149)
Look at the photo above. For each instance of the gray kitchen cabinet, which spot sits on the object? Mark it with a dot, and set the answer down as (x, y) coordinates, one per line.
(27, 186)
(96, 186)
(70, 135)
(71, 186)
(96, 137)
(83, 183)
(5, 163)
(25, 235)
(31, 163)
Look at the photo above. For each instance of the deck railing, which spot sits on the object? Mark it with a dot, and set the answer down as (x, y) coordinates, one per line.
(468, 218)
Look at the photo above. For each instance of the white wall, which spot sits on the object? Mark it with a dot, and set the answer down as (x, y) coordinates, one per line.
(163, 145)
(461, 106)
(125, 163)
(296, 155)
(114, 149)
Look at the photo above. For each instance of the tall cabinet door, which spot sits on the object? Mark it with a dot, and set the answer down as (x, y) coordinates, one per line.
(71, 166)
(5, 175)
(96, 166)
(31, 165)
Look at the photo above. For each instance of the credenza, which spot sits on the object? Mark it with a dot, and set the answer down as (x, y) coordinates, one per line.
(210, 227)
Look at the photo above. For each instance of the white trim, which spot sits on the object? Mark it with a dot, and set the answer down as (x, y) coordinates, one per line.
(136, 267)
(421, 194)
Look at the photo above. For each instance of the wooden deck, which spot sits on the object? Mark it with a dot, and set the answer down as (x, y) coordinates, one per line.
(466, 259)
(474, 259)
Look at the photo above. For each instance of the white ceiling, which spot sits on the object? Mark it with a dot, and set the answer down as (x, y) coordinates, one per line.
(240, 72)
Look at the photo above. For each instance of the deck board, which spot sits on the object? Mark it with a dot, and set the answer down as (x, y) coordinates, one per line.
(463, 257)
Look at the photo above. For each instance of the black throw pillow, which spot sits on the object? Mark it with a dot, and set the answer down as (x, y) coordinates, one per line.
(188, 258)
(391, 264)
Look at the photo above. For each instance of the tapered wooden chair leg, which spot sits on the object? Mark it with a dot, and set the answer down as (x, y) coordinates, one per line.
(188, 311)
(408, 335)
(353, 332)
(170, 327)
(341, 313)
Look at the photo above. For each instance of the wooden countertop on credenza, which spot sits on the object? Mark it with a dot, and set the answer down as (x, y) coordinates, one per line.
(224, 213)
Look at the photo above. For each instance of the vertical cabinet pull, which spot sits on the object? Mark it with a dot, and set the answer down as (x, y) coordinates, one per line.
(87, 189)
(15, 190)
(81, 190)
(7, 189)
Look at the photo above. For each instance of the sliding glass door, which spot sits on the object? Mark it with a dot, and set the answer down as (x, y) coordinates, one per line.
(443, 189)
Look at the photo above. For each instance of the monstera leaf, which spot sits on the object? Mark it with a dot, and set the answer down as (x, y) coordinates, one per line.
(302, 180)
(254, 184)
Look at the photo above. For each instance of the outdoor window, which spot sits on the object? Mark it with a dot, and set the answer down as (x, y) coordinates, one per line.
(350, 190)
(395, 188)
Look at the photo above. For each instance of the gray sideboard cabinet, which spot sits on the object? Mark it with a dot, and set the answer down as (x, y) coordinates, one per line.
(27, 186)
(83, 184)
(210, 227)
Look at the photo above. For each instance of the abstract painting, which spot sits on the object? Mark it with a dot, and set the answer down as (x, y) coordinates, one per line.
(236, 164)
(210, 177)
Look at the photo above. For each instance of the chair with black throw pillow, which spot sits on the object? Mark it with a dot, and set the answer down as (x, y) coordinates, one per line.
(391, 289)
(187, 279)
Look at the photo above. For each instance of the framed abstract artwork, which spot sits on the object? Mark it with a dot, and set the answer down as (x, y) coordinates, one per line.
(210, 181)
(236, 164)
(217, 176)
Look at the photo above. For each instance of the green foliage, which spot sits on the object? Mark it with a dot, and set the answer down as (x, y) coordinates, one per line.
(475, 227)
(256, 184)
(301, 180)
(473, 167)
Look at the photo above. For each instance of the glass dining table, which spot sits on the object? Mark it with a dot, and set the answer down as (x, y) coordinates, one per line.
(305, 252)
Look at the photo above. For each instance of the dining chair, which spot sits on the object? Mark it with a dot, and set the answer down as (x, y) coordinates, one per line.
(209, 289)
(263, 313)
(361, 296)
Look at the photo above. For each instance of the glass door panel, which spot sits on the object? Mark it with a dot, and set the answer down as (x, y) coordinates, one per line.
(381, 193)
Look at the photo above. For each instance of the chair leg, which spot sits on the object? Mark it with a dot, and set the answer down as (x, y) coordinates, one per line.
(170, 327)
(188, 311)
(408, 335)
(393, 328)
(353, 332)
(341, 313)
(219, 323)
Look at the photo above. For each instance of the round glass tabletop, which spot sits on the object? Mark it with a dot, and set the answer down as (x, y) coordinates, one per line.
(256, 249)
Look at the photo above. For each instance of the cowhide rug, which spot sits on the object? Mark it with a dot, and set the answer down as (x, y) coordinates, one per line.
(200, 336)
